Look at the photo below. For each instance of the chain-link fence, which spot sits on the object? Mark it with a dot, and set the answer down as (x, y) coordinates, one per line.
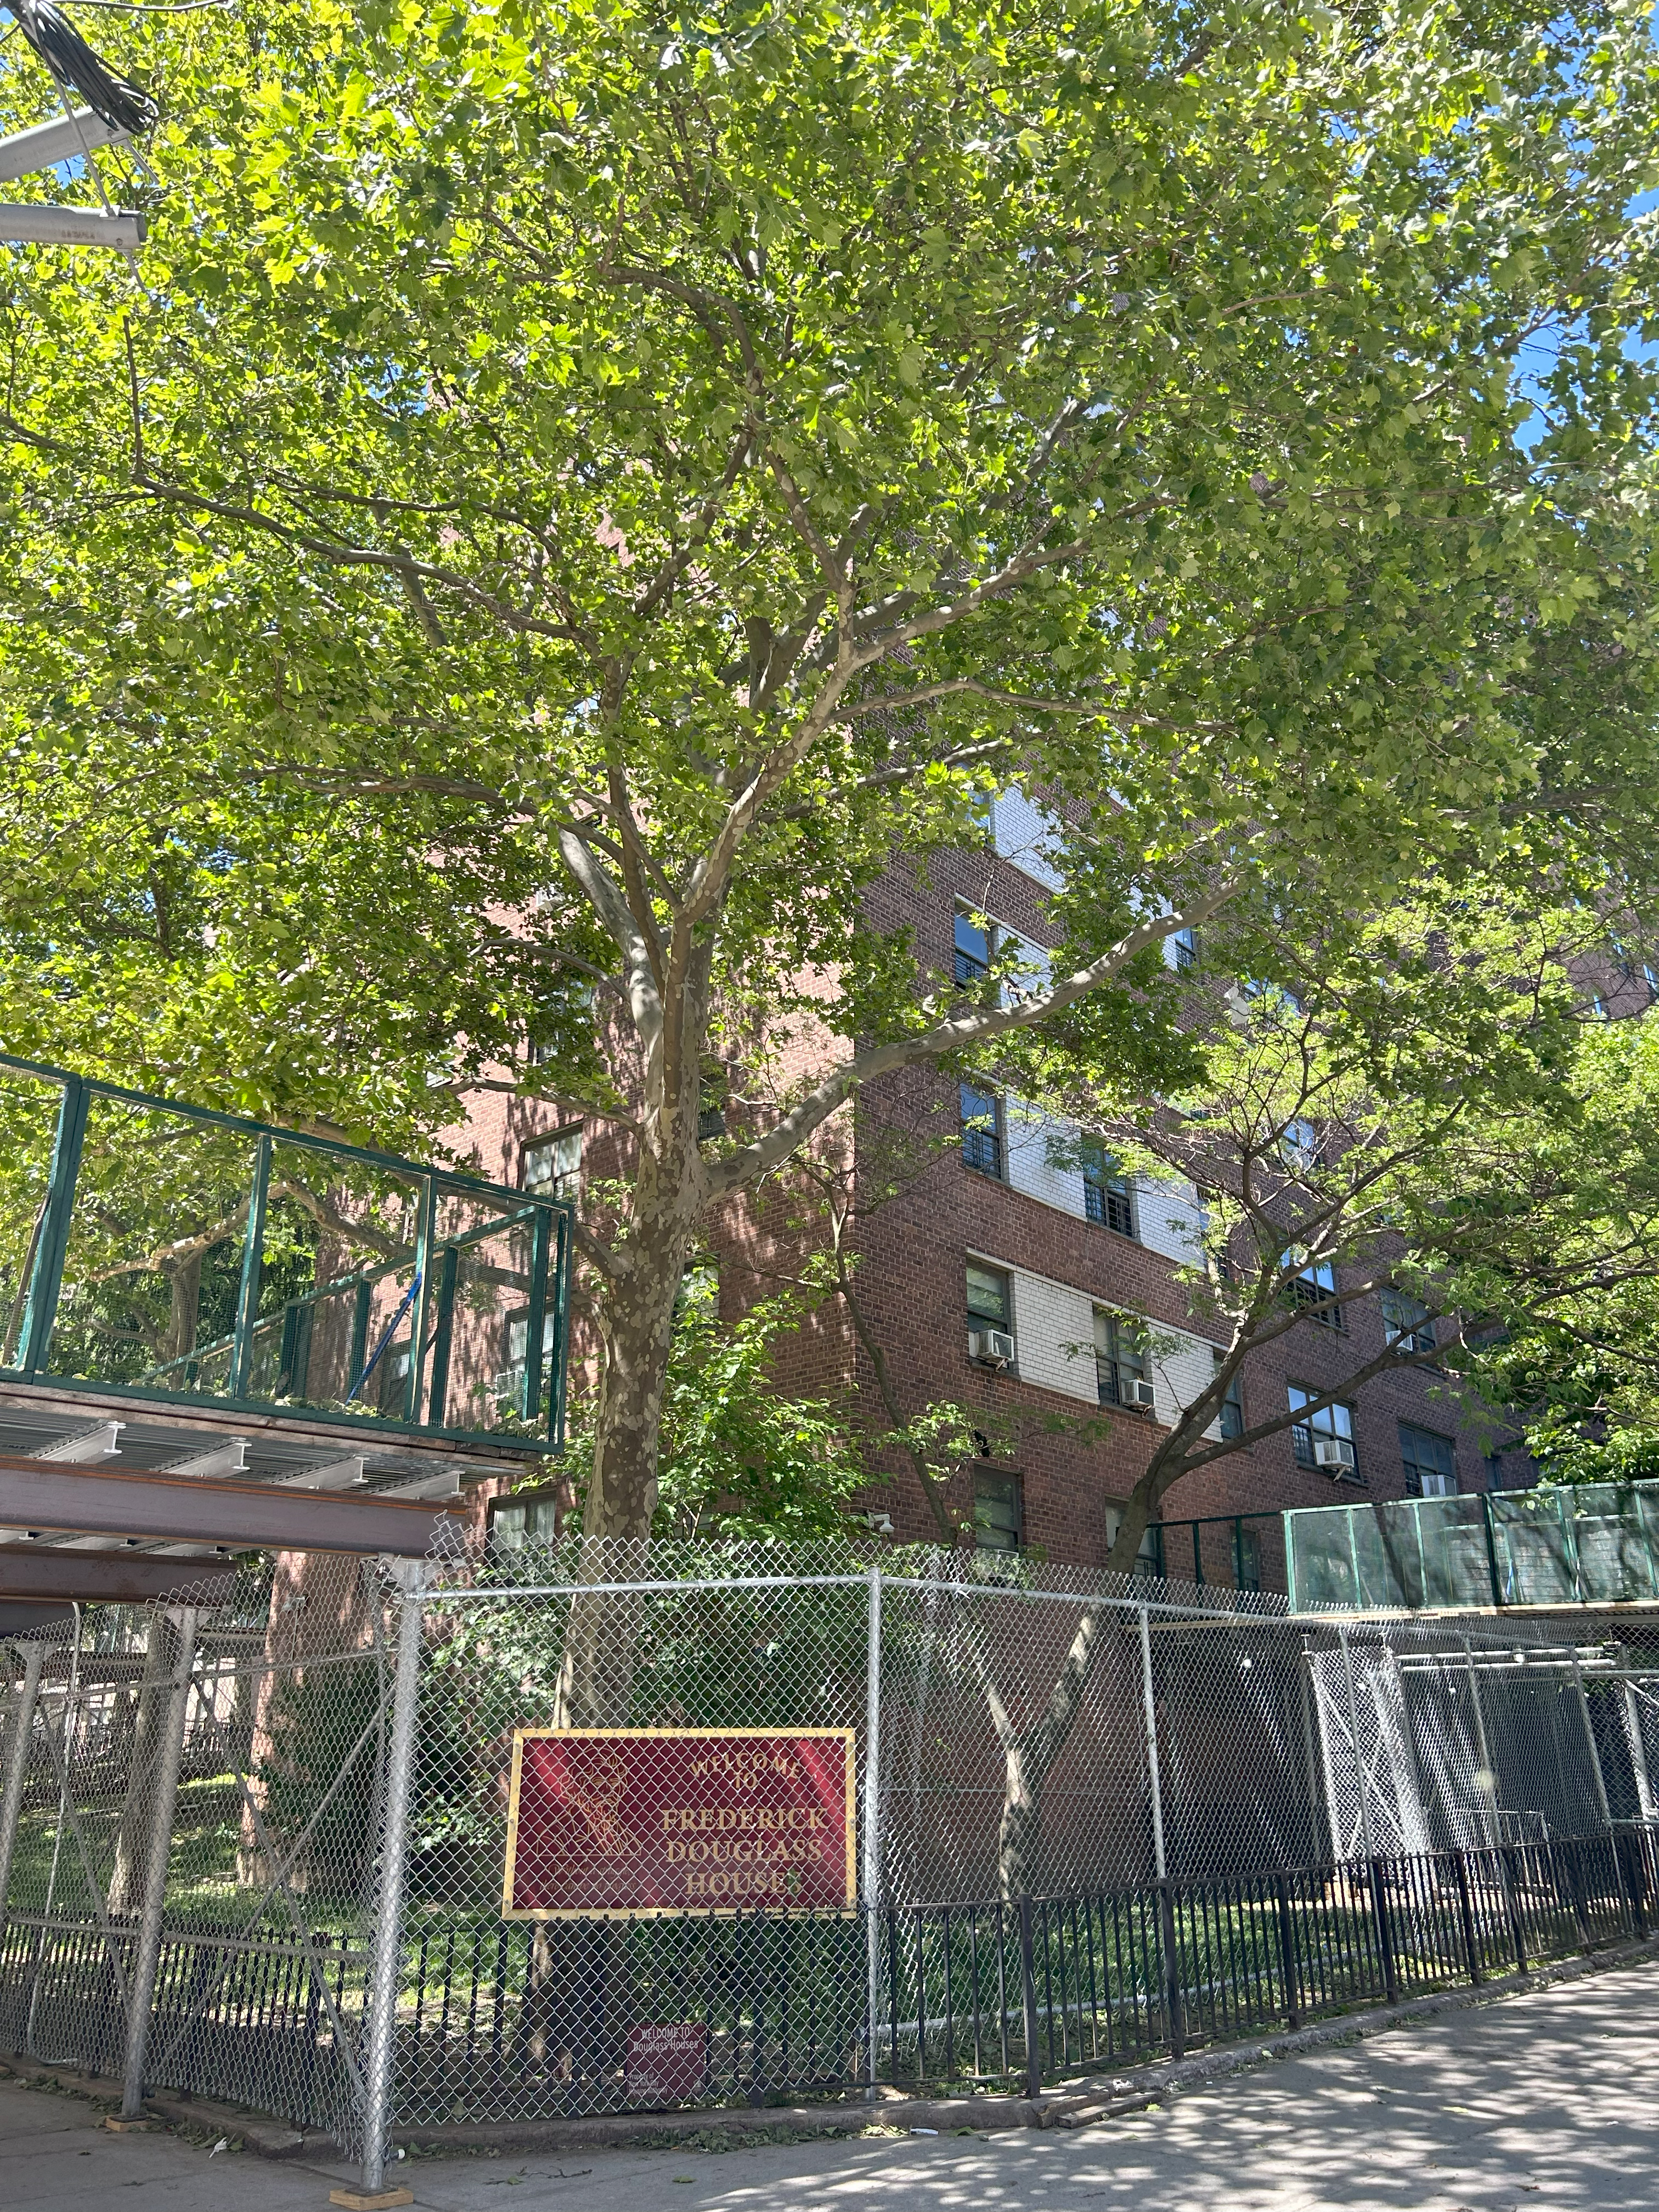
(554, 1833)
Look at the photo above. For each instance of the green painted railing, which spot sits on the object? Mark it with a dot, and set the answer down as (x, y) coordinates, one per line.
(169, 1252)
(1561, 1544)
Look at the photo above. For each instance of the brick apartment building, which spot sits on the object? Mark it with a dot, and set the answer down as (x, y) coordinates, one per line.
(998, 1231)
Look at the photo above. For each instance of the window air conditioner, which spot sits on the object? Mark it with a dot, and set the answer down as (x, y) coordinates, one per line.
(1142, 1395)
(1334, 1453)
(991, 1347)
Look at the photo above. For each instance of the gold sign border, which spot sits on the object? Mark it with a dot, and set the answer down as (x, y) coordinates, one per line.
(847, 1737)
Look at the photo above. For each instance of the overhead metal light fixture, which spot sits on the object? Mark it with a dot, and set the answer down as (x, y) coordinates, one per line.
(29, 224)
(115, 110)
(45, 144)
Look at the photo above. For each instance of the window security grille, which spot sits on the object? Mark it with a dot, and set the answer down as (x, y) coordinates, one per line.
(1315, 1287)
(981, 1132)
(1106, 1194)
(972, 948)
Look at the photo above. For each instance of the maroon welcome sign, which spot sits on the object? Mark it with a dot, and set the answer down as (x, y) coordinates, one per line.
(617, 1822)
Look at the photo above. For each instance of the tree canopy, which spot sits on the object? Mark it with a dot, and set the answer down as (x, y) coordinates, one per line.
(574, 492)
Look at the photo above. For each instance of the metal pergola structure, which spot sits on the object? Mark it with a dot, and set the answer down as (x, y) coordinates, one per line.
(460, 1225)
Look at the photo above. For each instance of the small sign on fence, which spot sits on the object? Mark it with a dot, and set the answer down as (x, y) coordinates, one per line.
(616, 1822)
(666, 2061)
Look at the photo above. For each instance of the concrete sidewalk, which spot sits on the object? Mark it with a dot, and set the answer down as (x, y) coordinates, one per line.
(1545, 2102)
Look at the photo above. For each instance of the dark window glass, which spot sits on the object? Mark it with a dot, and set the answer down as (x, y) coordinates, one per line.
(1430, 1461)
(989, 1303)
(1185, 950)
(981, 1132)
(973, 950)
(1106, 1194)
(1231, 1415)
(1247, 1557)
(998, 1512)
(1120, 1359)
(1408, 1323)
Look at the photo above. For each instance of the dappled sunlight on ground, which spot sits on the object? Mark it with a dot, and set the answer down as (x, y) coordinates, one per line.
(1545, 2103)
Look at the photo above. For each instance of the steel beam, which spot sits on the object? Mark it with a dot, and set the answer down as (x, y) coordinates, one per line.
(188, 1509)
(44, 1570)
(22, 1620)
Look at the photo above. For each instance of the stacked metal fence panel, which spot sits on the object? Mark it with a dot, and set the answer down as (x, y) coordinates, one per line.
(1093, 1822)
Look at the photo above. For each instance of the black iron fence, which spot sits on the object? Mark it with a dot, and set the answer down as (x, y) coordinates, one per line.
(233, 2018)
(575, 2016)
(586, 2016)
(1062, 1986)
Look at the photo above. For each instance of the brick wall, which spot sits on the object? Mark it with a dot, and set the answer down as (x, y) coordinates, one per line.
(920, 1213)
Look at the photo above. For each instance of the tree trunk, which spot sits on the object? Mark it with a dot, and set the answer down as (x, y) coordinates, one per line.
(1031, 1755)
(637, 1325)
(154, 1705)
(1020, 1830)
(183, 1306)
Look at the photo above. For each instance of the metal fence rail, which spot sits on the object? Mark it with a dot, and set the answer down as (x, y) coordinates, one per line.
(258, 1851)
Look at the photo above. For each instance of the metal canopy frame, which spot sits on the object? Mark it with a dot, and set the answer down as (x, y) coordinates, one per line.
(95, 1501)
(61, 1575)
(551, 1221)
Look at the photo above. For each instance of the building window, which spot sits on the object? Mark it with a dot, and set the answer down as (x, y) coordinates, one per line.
(1273, 996)
(526, 1517)
(1315, 1286)
(1406, 1321)
(998, 1511)
(1184, 948)
(1106, 1194)
(1431, 1463)
(1247, 1557)
(697, 1301)
(1121, 1362)
(1324, 1439)
(990, 1308)
(981, 1131)
(1298, 1144)
(553, 1166)
(509, 1381)
(975, 941)
(1231, 1418)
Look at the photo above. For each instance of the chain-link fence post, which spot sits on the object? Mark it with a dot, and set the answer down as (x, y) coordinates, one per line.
(141, 1990)
(1486, 1778)
(871, 1876)
(1151, 1741)
(380, 2070)
(1358, 1753)
(1596, 1774)
(18, 1740)
(1639, 1755)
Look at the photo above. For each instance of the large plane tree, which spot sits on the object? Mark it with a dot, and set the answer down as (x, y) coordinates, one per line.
(573, 494)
